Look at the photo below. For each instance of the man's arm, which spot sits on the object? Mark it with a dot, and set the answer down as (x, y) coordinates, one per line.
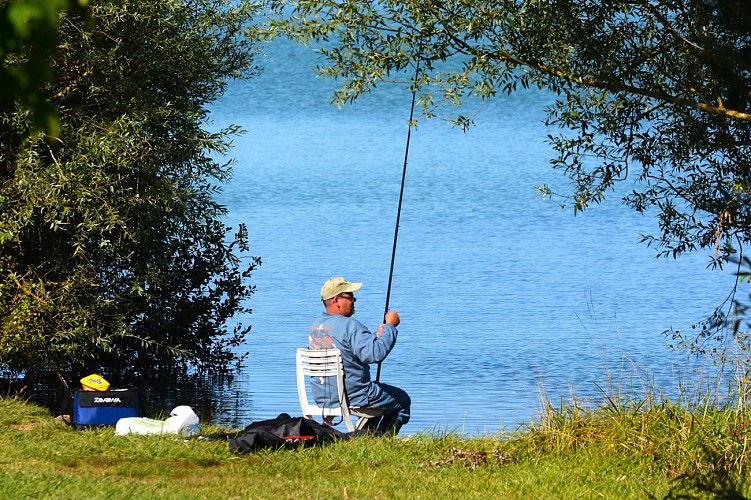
(373, 348)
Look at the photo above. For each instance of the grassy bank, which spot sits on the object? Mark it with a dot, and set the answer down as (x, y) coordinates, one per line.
(657, 452)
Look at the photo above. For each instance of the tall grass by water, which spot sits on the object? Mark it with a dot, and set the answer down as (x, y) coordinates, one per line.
(623, 448)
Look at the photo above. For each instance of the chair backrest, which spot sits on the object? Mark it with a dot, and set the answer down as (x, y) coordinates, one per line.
(322, 363)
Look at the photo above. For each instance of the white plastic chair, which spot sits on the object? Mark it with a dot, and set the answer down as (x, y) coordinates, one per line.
(327, 363)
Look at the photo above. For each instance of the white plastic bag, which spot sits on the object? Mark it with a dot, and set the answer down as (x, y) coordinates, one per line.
(182, 420)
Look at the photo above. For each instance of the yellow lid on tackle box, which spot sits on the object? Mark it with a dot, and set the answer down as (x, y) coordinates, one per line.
(94, 382)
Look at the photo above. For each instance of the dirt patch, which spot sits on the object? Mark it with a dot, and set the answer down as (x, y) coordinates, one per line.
(473, 459)
(24, 427)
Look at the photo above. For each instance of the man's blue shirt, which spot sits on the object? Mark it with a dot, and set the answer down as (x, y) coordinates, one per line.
(359, 347)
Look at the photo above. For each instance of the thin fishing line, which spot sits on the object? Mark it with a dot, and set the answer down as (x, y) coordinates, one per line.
(401, 196)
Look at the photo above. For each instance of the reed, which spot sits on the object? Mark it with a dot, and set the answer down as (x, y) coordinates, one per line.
(698, 443)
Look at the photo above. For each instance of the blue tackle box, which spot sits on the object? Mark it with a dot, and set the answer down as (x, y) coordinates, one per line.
(98, 408)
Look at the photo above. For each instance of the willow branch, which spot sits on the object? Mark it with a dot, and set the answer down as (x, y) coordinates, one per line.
(506, 56)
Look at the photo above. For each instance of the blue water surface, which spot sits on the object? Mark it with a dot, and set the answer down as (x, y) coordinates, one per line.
(503, 296)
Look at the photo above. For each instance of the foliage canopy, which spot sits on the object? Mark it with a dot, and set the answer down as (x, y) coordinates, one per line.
(28, 36)
(654, 92)
(113, 253)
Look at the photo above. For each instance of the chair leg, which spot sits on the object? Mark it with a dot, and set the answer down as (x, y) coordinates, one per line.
(367, 423)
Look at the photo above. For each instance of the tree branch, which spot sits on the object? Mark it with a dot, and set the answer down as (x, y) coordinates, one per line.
(506, 56)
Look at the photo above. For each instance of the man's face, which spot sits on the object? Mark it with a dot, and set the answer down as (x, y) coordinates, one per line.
(346, 303)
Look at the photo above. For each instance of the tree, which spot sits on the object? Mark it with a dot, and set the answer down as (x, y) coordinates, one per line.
(28, 32)
(113, 254)
(655, 92)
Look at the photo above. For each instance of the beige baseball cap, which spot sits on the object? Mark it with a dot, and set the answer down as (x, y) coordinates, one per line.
(335, 286)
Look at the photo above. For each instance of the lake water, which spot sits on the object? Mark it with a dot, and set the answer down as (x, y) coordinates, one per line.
(502, 295)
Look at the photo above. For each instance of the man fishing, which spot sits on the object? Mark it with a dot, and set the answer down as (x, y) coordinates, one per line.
(359, 347)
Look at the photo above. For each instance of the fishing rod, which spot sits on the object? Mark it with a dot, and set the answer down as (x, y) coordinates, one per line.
(401, 196)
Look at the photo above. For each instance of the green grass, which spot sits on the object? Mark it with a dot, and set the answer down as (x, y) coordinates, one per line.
(618, 451)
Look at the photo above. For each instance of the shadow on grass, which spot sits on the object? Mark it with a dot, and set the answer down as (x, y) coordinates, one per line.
(714, 481)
